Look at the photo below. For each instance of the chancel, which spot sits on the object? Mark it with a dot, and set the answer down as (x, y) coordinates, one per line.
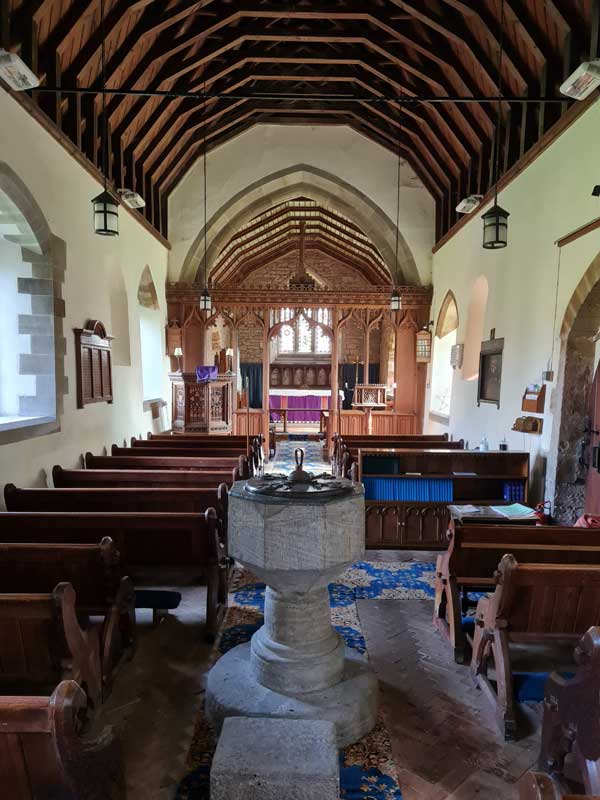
(299, 399)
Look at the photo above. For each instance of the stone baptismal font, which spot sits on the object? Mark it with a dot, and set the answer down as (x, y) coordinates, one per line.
(296, 534)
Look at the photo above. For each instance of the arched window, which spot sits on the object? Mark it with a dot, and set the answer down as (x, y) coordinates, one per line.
(300, 336)
(29, 312)
(441, 369)
(474, 329)
(151, 338)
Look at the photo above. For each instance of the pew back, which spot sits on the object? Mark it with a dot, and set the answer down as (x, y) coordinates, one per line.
(167, 462)
(92, 569)
(64, 478)
(148, 539)
(185, 500)
(42, 754)
(546, 599)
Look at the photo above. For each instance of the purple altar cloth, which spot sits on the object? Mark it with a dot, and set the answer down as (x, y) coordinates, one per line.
(205, 374)
(307, 401)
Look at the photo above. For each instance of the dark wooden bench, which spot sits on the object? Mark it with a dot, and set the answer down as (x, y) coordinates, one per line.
(43, 643)
(149, 540)
(237, 444)
(570, 747)
(102, 590)
(472, 558)
(534, 604)
(179, 452)
(184, 500)
(43, 754)
(168, 478)
(349, 452)
(355, 441)
(168, 462)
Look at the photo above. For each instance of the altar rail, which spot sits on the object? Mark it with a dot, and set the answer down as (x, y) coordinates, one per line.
(384, 423)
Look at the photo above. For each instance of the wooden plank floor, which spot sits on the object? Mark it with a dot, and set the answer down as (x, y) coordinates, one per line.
(444, 740)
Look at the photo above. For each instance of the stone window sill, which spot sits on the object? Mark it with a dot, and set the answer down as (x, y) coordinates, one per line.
(10, 423)
(443, 419)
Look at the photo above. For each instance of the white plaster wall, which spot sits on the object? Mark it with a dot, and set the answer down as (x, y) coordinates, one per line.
(338, 150)
(63, 190)
(551, 198)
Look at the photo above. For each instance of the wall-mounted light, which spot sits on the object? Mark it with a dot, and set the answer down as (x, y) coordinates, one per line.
(177, 353)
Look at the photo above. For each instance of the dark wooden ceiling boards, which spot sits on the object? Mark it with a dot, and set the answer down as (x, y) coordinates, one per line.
(247, 52)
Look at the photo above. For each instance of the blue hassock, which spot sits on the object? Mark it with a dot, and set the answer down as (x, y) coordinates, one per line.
(157, 598)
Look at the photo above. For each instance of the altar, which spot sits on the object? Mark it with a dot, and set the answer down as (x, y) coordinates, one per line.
(299, 405)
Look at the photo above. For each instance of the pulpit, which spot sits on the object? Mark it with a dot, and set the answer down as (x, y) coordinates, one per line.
(204, 407)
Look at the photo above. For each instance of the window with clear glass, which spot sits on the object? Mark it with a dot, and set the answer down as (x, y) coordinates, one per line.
(302, 335)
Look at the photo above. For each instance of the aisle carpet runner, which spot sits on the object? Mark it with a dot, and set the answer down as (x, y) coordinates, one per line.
(367, 771)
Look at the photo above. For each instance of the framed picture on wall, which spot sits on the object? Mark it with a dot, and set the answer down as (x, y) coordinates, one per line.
(490, 372)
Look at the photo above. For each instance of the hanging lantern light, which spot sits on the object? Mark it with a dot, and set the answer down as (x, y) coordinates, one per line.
(495, 221)
(395, 299)
(424, 346)
(106, 206)
(205, 301)
(495, 228)
(106, 214)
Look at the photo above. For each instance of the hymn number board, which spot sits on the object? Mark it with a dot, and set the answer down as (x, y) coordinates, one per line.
(94, 364)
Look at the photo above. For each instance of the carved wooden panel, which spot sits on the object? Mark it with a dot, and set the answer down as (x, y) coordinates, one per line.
(93, 364)
(300, 376)
(406, 525)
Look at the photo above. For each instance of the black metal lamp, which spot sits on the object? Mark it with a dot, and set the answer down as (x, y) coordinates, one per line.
(395, 301)
(106, 214)
(205, 300)
(495, 228)
(106, 205)
(495, 221)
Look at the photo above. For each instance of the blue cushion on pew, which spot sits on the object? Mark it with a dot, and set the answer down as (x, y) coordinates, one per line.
(157, 598)
(467, 625)
(529, 686)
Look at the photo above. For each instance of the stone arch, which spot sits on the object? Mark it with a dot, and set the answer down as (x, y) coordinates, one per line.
(43, 360)
(570, 446)
(474, 330)
(324, 187)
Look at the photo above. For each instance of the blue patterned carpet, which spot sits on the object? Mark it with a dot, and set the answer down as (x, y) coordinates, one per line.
(284, 458)
(367, 770)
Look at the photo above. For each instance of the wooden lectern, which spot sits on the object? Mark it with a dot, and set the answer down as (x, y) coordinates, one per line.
(201, 407)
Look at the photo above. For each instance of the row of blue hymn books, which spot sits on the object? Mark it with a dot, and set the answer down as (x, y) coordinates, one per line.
(513, 491)
(425, 490)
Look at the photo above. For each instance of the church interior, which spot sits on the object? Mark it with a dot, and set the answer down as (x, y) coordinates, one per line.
(299, 408)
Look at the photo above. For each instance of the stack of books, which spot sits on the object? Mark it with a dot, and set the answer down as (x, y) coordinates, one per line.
(425, 490)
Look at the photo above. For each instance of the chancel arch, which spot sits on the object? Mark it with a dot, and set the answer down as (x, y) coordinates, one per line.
(300, 181)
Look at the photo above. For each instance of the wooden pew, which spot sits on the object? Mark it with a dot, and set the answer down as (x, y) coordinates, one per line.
(177, 452)
(472, 558)
(570, 746)
(148, 540)
(237, 444)
(167, 462)
(102, 590)
(169, 478)
(182, 500)
(548, 604)
(43, 643)
(355, 441)
(197, 437)
(349, 453)
(43, 755)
